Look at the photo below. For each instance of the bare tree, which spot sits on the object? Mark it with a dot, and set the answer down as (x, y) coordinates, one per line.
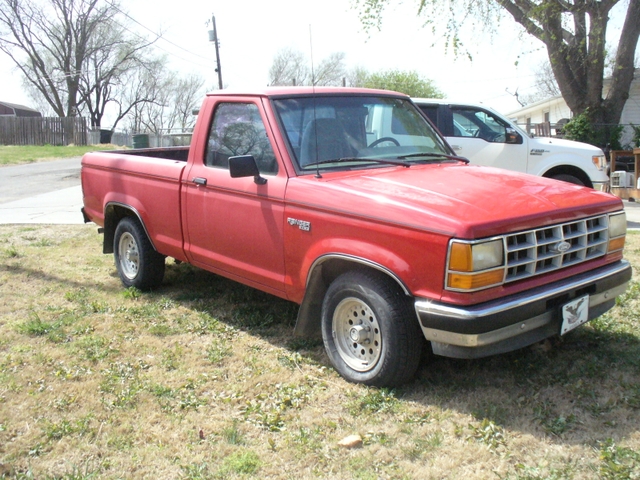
(545, 85)
(136, 88)
(160, 100)
(70, 51)
(112, 55)
(289, 68)
(187, 97)
(331, 71)
(143, 98)
(357, 77)
(54, 40)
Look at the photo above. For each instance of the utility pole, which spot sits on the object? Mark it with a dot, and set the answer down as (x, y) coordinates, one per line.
(213, 37)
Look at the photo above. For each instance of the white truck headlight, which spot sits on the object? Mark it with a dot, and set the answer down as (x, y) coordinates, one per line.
(600, 161)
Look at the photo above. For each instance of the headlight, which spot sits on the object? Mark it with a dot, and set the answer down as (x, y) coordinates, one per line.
(600, 161)
(617, 231)
(473, 266)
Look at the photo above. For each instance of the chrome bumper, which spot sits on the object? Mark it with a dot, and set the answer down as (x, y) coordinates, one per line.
(602, 186)
(514, 322)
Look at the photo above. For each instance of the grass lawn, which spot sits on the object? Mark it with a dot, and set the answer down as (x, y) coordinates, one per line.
(203, 379)
(15, 155)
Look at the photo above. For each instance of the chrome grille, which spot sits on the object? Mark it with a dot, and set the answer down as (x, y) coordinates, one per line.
(543, 250)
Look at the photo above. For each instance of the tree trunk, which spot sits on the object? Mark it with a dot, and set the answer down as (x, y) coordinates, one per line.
(578, 65)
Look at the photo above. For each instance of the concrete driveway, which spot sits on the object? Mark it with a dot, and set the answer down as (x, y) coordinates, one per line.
(44, 192)
(50, 192)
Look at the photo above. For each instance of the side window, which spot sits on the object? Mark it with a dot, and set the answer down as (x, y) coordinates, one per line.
(431, 112)
(237, 129)
(469, 122)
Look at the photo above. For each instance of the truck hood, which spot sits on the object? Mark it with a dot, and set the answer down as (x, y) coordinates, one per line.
(464, 201)
(544, 145)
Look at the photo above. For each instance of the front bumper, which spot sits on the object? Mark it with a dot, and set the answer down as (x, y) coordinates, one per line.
(519, 320)
(602, 186)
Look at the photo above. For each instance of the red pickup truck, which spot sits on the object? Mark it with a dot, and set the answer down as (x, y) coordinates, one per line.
(349, 203)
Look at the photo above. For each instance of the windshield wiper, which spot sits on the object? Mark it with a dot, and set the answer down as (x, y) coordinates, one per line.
(440, 155)
(361, 159)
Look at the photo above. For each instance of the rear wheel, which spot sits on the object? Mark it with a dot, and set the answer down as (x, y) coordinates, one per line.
(370, 332)
(137, 262)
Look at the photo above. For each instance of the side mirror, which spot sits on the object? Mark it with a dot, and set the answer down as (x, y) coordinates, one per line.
(512, 137)
(245, 166)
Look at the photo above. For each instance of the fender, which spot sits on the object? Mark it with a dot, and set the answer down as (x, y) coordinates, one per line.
(555, 163)
(327, 267)
(113, 213)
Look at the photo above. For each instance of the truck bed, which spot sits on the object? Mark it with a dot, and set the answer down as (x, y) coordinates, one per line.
(169, 153)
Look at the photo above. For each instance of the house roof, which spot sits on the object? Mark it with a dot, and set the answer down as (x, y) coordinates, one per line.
(559, 99)
(535, 106)
(14, 109)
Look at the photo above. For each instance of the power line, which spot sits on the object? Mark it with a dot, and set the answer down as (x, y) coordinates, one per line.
(160, 37)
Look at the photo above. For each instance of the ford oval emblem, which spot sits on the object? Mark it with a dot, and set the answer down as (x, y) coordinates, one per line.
(561, 247)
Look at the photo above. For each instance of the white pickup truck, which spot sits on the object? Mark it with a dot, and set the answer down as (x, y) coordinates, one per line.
(487, 138)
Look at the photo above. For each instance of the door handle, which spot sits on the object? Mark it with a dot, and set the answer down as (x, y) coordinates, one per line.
(456, 147)
(199, 181)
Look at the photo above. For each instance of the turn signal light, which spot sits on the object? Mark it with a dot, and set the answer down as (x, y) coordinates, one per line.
(475, 281)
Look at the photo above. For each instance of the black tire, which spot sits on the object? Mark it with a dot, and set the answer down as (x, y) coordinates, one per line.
(137, 262)
(565, 177)
(370, 331)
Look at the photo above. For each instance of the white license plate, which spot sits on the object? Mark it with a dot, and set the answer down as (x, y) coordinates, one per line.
(574, 314)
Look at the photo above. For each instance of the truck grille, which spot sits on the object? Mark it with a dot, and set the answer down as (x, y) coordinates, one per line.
(539, 251)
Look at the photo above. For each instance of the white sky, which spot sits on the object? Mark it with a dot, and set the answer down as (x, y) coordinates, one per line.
(252, 31)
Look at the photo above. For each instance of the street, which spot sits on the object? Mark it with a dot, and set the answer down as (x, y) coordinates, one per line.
(43, 192)
(24, 181)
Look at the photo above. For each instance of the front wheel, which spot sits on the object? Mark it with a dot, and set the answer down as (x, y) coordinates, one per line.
(370, 332)
(137, 262)
(565, 177)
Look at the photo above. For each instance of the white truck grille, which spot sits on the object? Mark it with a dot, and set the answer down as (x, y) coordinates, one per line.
(539, 251)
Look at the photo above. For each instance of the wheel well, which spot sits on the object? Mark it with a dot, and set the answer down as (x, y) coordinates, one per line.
(569, 170)
(320, 277)
(112, 216)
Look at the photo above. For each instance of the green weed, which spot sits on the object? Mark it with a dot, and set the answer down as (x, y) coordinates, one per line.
(64, 428)
(618, 463)
(374, 401)
(120, 385)
(94, 348)
(218, 350)
(197, 471)
(131, 293)
(422, 447)
(242, 463)
(488, 433)
(36, 327)
(171, 358)
(12, 252)
(233, 435)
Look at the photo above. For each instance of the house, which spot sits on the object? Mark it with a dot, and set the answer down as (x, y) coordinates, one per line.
(546, 117)
(14, 110)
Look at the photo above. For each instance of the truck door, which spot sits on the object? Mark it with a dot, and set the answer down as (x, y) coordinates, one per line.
(487, 139)
(234, 225)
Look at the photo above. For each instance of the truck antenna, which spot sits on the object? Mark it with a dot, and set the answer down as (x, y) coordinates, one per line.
(313, 88)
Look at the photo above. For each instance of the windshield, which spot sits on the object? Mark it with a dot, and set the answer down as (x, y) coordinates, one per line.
(341, 132)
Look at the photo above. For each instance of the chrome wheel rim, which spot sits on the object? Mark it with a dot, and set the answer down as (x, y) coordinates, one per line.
(129, 256)
(356, 333)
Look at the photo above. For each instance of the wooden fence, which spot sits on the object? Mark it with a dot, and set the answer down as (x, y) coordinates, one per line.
(42, 131)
